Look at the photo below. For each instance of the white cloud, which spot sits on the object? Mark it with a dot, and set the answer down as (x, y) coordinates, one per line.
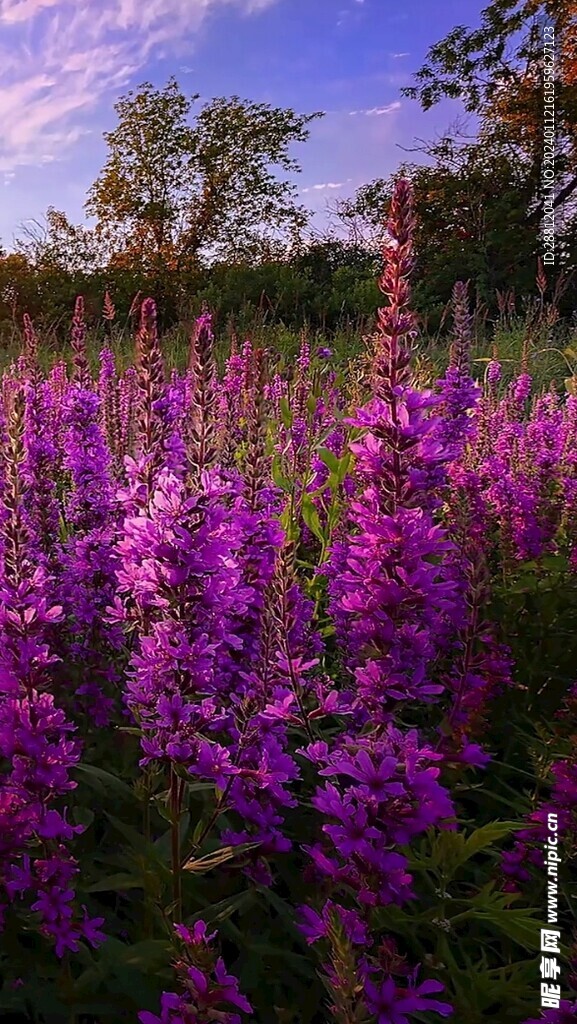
(325, 185)
(376, 111)
(397, 56)
(60, 58)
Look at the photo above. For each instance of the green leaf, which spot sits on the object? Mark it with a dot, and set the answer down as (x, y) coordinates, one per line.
(221, 911)
(104, 782)
(286, 413)
(148, 953)
(298, 962)
(329, 458)
(134, 838)
(517, 924)
(278, 476)
(143, 852)
(344, 466)
(483, 837)
(448, 851)
(115, 883)
(83, 816)
(311, 517)
(163, 843)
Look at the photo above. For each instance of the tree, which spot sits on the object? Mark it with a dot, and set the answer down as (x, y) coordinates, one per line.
(59, 246)
(17, 286)
(480, 203)
(172, 192)
(470, 206)
(497, 72)
(323, 259)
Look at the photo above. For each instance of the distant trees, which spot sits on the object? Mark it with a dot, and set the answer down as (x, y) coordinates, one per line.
(58, 245)
(497, 69)
(321, 288)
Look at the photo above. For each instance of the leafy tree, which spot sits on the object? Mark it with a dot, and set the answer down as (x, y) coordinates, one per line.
(172, 192)
(323, 258)
(470, 206)
(497, 69)
(480, 204)
(17, 286)
(59, 246)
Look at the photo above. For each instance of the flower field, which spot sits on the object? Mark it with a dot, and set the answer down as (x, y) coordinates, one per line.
(287, 683)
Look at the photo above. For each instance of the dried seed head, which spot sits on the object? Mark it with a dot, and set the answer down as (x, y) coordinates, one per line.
(396, 324)
(202, 428)
(256, 461)
(80, 365)
(31, 346)
(462, 328)
(135, 305)
(541, 279)
(108, 308)
(150, 377)
(15, 534)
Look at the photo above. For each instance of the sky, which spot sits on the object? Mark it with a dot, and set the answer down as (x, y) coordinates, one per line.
(64, 63)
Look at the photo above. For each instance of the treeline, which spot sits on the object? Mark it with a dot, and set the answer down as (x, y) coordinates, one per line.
(329, 286)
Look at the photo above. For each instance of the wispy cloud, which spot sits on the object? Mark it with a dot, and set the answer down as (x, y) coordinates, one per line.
(23, 10)
(324, 185)
(376, 111)
(345, 16)
(59, 59)
(397, 56)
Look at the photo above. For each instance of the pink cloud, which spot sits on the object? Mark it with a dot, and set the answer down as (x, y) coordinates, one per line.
(83, 52)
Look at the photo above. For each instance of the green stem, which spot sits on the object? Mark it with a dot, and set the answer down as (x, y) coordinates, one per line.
(175, 807)
(146, 811)
(218, 808)
(146, 830)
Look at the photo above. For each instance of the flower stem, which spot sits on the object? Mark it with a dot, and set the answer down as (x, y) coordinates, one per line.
(175, 807)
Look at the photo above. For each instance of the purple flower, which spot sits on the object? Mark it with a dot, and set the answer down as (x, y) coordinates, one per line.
(392, 1004)
(315, 926)
(208, 991)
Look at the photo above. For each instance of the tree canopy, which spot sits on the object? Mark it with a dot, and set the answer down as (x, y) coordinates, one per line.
(201, 197)
(479, 198)
(496, 70)
(172, 191)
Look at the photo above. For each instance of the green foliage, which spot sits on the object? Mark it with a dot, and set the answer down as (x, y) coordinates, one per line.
(471, 206)
(170, 191)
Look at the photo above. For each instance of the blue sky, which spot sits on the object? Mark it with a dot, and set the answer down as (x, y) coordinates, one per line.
(63, 63)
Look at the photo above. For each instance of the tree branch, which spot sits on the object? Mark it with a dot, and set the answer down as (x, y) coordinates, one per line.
(564, 194)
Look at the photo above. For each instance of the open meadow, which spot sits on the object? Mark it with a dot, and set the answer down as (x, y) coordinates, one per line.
(287, 677)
